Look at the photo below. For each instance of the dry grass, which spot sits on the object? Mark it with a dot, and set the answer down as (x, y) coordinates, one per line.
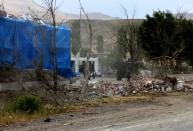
(7, 118)
(126, 99)
(176, 93)
(118, 100)
(11, 118)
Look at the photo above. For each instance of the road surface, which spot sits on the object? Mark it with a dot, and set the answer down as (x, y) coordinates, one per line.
(180, 122)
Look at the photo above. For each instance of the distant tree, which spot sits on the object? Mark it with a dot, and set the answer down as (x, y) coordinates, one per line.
(166, 38)
(185, 35)
(100, 43)
(156, 34)
(76, 41)
(122, 42)
(84, 52)
(114, 57)
(127, 39)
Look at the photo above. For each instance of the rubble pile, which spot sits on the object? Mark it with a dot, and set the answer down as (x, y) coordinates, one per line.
(105, 89)
(138, 84)
(144, 84)
(109, 89)
(188, 85)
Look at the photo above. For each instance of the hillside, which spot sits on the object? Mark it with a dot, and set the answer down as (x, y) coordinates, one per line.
(18, 8)
(106, 28)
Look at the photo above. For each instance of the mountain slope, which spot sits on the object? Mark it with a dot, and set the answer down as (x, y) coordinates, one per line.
(92, 16)
(21, 7)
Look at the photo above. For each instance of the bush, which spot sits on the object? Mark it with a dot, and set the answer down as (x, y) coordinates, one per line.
(27, 104)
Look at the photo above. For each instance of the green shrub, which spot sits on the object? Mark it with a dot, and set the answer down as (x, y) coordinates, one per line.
(26, 103)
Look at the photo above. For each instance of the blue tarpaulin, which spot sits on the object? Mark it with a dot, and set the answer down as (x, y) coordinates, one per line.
(23, 42)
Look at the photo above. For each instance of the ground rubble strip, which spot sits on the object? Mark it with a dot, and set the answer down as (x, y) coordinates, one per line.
(136, 85)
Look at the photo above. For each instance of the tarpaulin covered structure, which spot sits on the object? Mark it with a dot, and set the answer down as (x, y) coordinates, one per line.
(23, 42)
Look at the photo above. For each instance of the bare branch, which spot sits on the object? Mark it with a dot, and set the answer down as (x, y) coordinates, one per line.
(2, 5)
(179, 13)
(129, 33)
(89, 27)
(87, 69)
(125, 12)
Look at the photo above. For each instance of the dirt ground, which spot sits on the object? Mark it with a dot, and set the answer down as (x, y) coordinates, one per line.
(106, 116)
(110, 115)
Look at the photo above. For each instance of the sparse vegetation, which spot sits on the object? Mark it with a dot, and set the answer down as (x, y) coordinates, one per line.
(7, 118)
(25, 104)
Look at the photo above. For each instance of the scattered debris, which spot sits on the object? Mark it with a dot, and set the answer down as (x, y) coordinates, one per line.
(188, 85)
(145, 73)
(47, 120)
(156, 85)
(65, 124)
(137, 84)
(180, 85)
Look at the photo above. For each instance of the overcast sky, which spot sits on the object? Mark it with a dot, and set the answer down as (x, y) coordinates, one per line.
(113, 7)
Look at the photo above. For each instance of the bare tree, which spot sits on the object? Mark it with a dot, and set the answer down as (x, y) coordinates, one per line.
(51, 6)
(2, 9)
(2, 5)
(128, 33)
(87, 66)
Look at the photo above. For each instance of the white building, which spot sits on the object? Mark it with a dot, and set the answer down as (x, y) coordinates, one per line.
(78, 61)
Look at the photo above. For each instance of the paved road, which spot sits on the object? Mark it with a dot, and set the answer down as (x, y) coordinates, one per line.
(181, 122)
